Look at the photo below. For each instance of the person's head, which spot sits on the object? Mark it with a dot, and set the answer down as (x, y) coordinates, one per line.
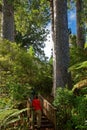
(36, 96)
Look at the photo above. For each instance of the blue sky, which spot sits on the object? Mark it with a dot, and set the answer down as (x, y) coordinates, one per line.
(72, 21)
(71, 24)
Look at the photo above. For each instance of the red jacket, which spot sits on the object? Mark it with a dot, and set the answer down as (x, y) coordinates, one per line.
(36, 104)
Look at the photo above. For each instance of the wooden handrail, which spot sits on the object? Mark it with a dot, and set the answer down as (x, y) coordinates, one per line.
(48, 110)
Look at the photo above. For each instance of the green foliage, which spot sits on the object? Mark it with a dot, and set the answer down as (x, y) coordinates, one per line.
(85, 11)
(44, 79)
(79, 115)
(5, 102)
(78, 71)
(21, 70)
(63, 102)
(85, 45)
(80, 88)
(78, 61)
(77, 54)
(19, 92)
(10, 116)
(31, 51)
(71, 110)
(63, 96)
(71, 4)
(78, 66)
(4, 114)
(31, 20)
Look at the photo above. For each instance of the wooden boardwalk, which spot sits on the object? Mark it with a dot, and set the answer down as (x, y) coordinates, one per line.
(48, 121)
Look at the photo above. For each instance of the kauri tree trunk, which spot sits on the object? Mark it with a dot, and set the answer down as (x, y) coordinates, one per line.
(80, 24)
(61, 45)
(8, 20)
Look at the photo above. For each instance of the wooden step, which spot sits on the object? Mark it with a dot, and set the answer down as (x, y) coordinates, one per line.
(45, 124)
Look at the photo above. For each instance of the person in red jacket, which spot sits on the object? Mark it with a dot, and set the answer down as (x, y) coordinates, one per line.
(36, 104)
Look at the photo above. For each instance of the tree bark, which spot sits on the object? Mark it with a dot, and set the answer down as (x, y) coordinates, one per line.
(61, 45)
(8, 20)
(80, 24)
(52, 17)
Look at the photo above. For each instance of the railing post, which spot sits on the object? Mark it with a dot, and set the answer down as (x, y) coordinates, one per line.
(30, 114)
(56, 119)
(33, 118)
(49, 110)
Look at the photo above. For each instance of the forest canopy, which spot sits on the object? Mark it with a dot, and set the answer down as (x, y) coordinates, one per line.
(25, 69)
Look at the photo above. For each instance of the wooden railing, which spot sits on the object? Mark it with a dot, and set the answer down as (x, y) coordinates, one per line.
(48, 110)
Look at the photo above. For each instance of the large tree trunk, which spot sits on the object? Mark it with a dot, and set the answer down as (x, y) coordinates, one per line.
(52, 18)
(80, 24)
(61, 45)
(8, 20)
